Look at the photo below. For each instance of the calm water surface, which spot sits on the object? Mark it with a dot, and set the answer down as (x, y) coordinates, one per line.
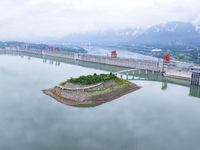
(160, 116)
(99, 50)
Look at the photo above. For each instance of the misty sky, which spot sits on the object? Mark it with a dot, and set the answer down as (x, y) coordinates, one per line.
(56, 18)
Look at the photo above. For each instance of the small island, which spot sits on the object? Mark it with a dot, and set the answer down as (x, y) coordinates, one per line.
(91, 89)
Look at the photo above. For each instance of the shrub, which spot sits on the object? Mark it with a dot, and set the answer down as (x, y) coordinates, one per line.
(92, 79)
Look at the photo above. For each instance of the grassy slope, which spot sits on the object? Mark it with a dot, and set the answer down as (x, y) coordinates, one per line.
(118, 81)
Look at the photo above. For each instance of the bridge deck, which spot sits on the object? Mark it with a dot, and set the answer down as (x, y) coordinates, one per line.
(125, 71)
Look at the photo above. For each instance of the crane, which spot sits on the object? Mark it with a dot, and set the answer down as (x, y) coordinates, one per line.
(50, 48)
(57, 49)
(166, 58)
(43, 47)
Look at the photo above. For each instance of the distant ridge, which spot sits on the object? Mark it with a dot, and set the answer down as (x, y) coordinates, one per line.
(173, 32)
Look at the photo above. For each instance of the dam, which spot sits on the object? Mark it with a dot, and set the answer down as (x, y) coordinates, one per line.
(170, 70)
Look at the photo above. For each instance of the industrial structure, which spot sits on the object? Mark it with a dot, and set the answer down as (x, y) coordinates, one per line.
(166, 58)
(175, 70)
(113, 54)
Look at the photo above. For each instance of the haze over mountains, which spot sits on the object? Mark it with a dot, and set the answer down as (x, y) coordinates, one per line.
(171, 32)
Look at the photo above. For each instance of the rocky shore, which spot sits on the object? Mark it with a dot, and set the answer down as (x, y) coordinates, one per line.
(107, 92)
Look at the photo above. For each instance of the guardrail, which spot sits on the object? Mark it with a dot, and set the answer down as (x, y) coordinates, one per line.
(81, 88)
(124, 71)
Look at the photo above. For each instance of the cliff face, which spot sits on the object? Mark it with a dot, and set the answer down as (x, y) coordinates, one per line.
(75, 98)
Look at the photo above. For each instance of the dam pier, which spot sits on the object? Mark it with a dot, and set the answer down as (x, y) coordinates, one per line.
(178, 70)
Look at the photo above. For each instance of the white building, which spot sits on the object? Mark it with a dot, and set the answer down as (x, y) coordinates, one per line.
(156, 50)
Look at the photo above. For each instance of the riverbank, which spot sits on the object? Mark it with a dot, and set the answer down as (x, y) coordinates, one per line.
(108, 91)
(185, 75)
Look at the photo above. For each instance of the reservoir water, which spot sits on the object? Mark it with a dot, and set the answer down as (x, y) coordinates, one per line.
(163, 115)
(99, 50)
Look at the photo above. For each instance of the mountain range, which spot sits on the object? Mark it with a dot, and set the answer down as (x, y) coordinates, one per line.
(170, 32)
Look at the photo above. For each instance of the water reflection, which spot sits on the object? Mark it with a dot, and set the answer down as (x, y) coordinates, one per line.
(147, 119)
(164, 86)
(87, 106)
(57, 64)
(156, 77)
(194, 90)
(50, 62)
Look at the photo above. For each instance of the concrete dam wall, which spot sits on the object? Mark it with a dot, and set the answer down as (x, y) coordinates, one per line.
(123, 62)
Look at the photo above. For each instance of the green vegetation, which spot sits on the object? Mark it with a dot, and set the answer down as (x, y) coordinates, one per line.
(118, 83)
(178, 51)
(92, 79)
(181, 56)
(37, 46)
(194, 55)
(63, 83)
(62, 48)
(9, 43)
(12, 43)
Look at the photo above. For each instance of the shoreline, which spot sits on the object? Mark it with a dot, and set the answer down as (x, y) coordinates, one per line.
(85, 98)
(184, 75)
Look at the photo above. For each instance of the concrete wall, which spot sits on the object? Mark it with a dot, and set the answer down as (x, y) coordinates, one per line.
(31, 51)
(86, 88)
(72, 95)
(195, 78)
(123, 62)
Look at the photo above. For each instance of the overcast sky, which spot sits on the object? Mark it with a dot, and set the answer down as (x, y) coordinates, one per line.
(57, 18)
